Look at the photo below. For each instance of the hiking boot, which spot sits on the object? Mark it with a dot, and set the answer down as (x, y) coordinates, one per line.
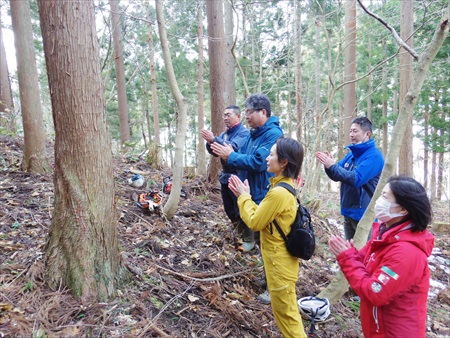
(260, 282)
(355, 299)
(264, 297)
(246, 246)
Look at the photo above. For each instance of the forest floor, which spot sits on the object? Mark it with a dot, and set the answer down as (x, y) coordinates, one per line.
(188, 278)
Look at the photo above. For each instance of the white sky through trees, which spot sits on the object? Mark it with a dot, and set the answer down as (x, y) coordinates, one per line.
(8, 39)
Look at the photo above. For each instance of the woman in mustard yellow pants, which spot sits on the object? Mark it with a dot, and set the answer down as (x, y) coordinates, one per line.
(284, 161)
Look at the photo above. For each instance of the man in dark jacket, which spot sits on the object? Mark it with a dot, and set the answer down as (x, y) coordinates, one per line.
(234, 135)
(250, 160)
(358, 172)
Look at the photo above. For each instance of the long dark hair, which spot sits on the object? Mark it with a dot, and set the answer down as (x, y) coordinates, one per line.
(293, 152)
(412, 196)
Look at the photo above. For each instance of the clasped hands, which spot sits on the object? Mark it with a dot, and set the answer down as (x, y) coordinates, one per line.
(207, 135)
(237, 186)
(223, 151)
(325, 158)
(338, 244)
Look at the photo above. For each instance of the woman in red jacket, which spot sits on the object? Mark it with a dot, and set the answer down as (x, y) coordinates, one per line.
(390, 273)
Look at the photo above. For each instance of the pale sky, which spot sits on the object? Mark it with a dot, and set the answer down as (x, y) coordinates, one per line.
(8, 40)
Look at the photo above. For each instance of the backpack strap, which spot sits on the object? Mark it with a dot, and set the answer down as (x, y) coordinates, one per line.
(280, 231)
(368, 190)
(288, 187)
(293, 192)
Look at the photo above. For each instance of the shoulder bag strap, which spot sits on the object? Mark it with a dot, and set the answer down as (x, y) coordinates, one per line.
(293, 192)
(287, 186)
(280, 231)
(368, 191)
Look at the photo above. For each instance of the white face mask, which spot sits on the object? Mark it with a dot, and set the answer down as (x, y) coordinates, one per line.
(383, 210)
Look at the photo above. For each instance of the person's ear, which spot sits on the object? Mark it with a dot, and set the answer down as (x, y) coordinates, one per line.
(403, 211)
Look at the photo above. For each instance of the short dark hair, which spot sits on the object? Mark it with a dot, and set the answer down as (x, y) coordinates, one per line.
(412, 196)
(293, 152)
(258, 102)
(364, 123)
(235, 109)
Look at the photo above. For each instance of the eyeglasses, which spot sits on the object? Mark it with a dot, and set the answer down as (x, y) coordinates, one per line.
(251, 111)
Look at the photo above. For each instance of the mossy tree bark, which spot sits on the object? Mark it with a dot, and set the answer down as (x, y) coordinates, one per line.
(82, 250)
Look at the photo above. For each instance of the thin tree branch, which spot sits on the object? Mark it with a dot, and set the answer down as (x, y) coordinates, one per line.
(393, 31)
(194, 279)
(369, 72)
(244, 78)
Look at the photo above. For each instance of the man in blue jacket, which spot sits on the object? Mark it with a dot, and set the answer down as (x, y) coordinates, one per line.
(358, 172)
(234, 135)
(250, 160)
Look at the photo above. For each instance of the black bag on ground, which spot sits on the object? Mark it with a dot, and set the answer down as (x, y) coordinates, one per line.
(301, 241)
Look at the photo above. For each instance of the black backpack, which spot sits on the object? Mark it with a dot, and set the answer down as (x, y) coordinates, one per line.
(301, 241)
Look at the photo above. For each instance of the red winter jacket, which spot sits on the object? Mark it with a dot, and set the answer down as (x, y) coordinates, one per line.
(392, 278)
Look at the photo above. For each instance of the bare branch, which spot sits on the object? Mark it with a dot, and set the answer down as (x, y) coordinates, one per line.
(369, 72)
(393, 31)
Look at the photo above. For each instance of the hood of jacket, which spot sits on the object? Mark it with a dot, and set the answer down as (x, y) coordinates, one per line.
(423, 240)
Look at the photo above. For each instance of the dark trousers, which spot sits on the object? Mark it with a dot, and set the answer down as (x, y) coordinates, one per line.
(229, 203)
(350, 226)
(232, 211)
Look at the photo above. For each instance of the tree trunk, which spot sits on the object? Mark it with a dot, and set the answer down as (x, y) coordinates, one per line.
(82, 249)
(350, 65)
(426, 146)
(7, 119)
(341, 139)
(244, 51)
(385, 105)
(298, 69)
(201, 168)
(440, 164)
(230, 74)
(124, 123)
(174, 197)
(34, 154)
(369, 80)
(216, 51)
(156, 146)
(339, 285)
(405, 161)
(318, 65)
(433, 175)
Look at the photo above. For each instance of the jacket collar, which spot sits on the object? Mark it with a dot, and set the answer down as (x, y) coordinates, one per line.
(275, 180)
(233, 127)
(424, 240)
(358, 149)
(272, 121)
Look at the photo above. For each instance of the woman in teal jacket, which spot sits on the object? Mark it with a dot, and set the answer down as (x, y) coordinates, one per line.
(284, 161)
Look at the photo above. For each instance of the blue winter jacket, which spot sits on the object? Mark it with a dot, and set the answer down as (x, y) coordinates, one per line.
(236, 136)
(251, 157)
(358, 172)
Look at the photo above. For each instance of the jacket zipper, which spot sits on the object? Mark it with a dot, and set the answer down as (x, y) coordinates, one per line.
(375, 317)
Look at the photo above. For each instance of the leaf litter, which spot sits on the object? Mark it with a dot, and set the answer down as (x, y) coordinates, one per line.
(188, 278)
